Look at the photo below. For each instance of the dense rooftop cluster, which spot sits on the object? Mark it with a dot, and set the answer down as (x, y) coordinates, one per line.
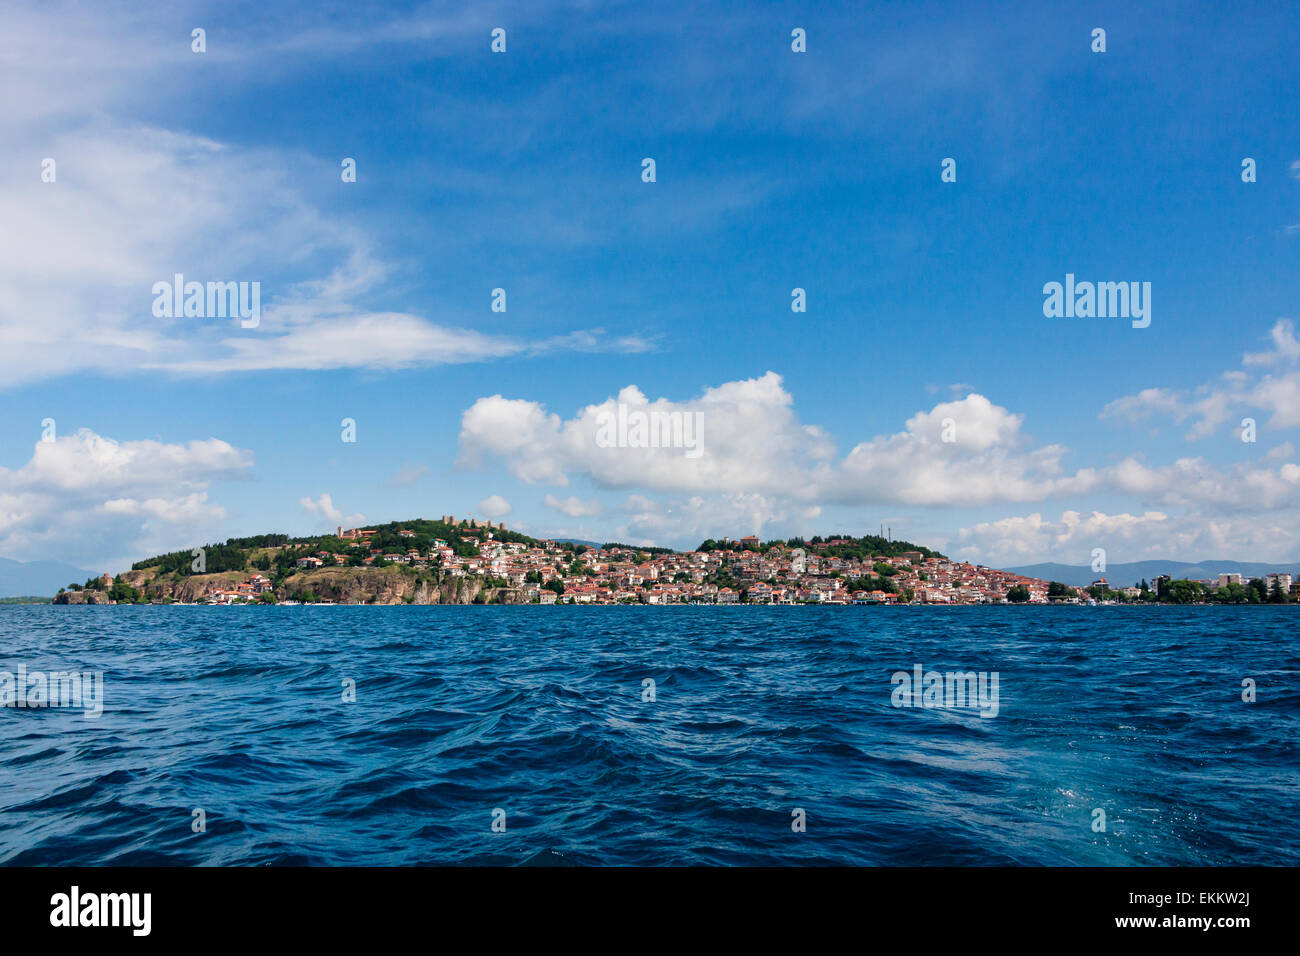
(832, 571)
(511, 567)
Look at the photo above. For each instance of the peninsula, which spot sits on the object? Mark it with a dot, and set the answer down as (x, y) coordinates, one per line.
(465, 561)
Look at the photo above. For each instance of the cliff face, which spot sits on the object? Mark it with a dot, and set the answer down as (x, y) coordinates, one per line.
(391, 586)
(82, 597)
(340, 585)
(186, 590)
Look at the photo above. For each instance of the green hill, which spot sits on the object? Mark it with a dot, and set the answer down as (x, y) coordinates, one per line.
(270, 552)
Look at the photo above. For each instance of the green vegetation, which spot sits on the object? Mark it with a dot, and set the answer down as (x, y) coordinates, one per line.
(279, 553)
(277, 556)
(123, 593)
(1275, 594)
(1180, 591)
(1255, 591)
(872, 583)
(231, 556)
(627, 547)
(722, 578)
(847, 546)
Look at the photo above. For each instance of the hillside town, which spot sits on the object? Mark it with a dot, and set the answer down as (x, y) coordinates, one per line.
(492, 564)
(739, 572)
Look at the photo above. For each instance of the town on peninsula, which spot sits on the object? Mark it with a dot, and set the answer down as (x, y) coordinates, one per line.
(468, 561)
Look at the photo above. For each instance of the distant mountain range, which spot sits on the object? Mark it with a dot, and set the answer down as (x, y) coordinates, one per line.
(38, 578)
(1122, 575)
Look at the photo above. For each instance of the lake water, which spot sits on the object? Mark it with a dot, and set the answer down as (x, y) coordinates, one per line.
(757, 713)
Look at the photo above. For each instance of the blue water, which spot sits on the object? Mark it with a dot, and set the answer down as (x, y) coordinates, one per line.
(539, 712)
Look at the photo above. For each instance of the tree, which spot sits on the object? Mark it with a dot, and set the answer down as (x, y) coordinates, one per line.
(1275, 593)
(1056, 590)
(1017, 594)
(1182, 591)
(1230, 594)
(123, 593)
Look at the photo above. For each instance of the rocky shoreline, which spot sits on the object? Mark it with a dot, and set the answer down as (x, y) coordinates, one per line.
(328, 585)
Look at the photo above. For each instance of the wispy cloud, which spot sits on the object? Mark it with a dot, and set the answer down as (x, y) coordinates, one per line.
(1237, 391)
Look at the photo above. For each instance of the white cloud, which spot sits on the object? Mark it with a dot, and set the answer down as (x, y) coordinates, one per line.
(1029, 539)
(495, 507)
(87, 498)
(1149, 401)
(136, 203)
(1237, 393)
(86, 463)
(692, 519)
(989, 460)
(762, 468)
(753, 443)
(1286, 347)
(324, 506)
(190, 509)
(379, 341)
(1243, 487)
(573, 506)
(749, 438)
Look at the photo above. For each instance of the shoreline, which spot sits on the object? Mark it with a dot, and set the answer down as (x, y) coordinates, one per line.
(678, 604)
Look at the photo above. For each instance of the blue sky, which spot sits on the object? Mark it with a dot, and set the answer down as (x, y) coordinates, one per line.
(775, 170)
